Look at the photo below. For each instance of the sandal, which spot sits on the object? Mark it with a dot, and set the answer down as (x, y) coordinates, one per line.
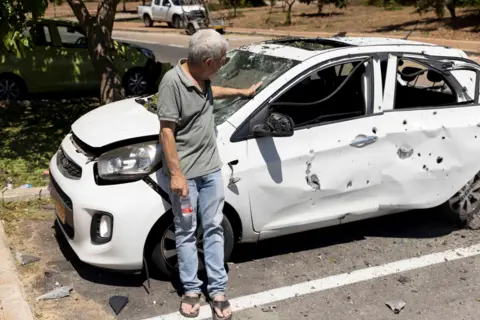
(190, 301)
(221, 305)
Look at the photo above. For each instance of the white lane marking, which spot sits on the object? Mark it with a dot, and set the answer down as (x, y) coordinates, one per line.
(150, 42)
(313, 286)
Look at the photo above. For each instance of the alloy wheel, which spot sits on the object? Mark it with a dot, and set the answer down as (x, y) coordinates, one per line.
(9, 89)
(467, 199)
(169, 249)
(137, 84)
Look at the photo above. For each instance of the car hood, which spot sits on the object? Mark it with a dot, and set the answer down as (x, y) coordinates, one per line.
(114, 122)
(193, 7)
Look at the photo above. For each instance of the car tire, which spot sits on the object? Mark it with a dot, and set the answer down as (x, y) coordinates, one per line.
(148, 21)
(163, 255)
(135, 82)
(176, 22)
(170, 25)
(190, 29)
(462, 207)
(12, 87)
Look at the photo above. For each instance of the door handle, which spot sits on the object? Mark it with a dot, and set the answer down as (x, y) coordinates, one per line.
(362, 140)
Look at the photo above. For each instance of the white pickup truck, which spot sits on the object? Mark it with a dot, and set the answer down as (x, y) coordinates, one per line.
(171, 12)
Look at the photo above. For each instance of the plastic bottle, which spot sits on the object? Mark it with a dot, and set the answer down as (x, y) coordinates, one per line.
(186, 205)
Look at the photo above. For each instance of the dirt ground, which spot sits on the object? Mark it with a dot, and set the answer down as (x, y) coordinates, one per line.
(365, 19)
(29, 229)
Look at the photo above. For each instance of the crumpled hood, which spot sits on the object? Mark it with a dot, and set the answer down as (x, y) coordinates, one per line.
(115, 122)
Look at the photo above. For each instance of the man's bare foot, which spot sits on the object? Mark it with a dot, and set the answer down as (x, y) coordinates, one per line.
(187, 307)
(227, 311)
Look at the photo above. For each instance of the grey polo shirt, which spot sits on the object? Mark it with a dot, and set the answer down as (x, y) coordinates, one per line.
(180, 101)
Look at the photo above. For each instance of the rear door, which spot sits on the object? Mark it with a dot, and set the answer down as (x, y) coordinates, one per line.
(432, 121)
(78, 69)
(42, 62)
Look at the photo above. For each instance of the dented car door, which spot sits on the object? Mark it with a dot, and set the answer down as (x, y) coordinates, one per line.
(431, 123)
(327, 172)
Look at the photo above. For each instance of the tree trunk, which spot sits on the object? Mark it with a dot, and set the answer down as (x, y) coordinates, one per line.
(289, 14)
(143, 2)
(451, 8)
(100, 46)
(124, 6)
(235, 9)
(319, 7)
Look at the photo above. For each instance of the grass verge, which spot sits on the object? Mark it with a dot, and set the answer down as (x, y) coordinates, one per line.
(31, 132)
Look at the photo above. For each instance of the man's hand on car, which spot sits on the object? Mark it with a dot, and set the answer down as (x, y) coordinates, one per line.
(250, 92)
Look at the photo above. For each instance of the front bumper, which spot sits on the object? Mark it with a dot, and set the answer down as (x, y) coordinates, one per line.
(135, 208)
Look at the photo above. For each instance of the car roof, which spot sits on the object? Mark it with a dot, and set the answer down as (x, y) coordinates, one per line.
(301, 49)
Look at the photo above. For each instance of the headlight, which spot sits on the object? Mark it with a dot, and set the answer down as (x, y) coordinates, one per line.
(130, 163)
(148, 53)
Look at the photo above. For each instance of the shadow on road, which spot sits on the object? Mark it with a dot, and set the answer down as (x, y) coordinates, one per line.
(418, 224)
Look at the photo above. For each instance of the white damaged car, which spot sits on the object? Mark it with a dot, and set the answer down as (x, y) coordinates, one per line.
(342, 129)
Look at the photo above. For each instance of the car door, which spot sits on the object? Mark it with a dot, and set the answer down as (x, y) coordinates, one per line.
(431, 121)
(326, 173)
(79, 73)
(158, 11)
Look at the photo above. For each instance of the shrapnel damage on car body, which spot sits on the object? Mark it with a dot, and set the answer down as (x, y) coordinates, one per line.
(365, 128)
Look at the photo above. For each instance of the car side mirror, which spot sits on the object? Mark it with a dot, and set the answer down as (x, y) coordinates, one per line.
(277, 125)
(168, 4)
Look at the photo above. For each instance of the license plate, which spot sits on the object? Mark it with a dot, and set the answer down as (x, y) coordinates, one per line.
(60, 210)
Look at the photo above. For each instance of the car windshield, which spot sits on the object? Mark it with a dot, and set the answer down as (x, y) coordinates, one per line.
(185, 2)
(243, 70)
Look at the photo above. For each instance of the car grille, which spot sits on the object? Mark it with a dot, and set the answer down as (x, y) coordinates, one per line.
(197, 14)
(67, 167)
(60, 195)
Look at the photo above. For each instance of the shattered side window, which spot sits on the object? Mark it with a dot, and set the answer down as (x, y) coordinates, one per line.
(421, 86)
(330, 94)
(243, 70)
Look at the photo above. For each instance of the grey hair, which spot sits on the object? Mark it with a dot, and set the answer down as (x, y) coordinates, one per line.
(204, 44)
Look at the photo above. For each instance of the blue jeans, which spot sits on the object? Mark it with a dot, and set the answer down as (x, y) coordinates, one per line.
(207, 196)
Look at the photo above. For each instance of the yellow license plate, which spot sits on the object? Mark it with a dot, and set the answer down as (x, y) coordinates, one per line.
(60, 210)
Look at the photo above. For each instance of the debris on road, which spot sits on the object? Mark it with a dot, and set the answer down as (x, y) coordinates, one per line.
(403, 279)
(396, 305)
(56, 293)
(24, 259)
(269, 309)
(118, 303)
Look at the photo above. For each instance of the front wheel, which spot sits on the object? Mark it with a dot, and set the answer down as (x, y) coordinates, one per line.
(176, 22)
(164, 255)
(464, 206)
(147, 21)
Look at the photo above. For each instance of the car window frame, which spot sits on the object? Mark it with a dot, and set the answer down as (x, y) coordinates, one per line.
(77, 29)
(244, 130)
(437, 60)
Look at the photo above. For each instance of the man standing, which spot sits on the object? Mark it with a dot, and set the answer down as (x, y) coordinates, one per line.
(193, 166)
